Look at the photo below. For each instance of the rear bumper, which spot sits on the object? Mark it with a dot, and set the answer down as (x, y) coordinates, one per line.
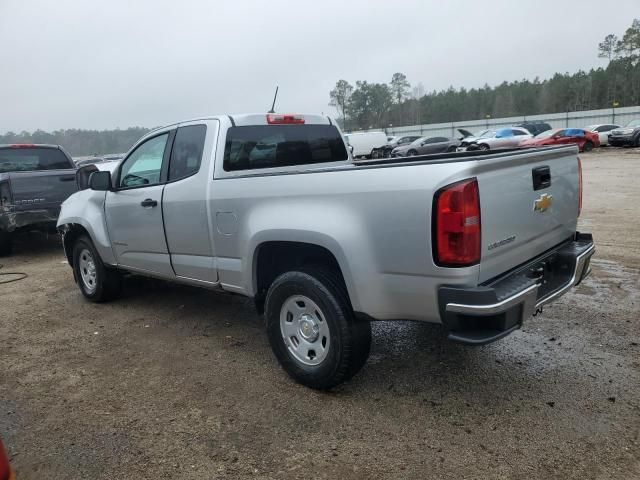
(486, 313)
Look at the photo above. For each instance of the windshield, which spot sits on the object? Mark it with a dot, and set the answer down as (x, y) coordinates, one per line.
(27, 159)
(548, 133)
(634, 123)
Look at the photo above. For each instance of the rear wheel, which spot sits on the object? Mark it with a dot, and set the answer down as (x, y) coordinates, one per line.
(6, 243)
(312, 329)
(97, 282)
(451, 149)
(588, 146)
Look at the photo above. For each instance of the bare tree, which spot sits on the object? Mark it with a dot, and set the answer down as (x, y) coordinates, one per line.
(339, 98)
(607, 48)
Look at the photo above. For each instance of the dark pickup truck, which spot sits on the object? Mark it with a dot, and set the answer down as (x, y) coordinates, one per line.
(34, 181)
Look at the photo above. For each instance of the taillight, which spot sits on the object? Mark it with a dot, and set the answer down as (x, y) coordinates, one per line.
(579, 186)
(457, 225)
(5, 194)
(287, 119)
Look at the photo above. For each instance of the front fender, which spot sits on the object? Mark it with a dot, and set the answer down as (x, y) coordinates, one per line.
(86, 208)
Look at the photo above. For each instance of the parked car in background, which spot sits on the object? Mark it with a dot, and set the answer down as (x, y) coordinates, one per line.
(312, 237)
(385, 151)
(603, 132)
(34, 181)
(365, 143)
(502, 138)
(5, 469)
(628, 135)
(584, 139)
(426, 146)
(534, 127)
(468, 137)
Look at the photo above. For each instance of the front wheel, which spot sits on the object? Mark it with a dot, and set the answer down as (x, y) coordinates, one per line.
(588, 146)
(483, 146)
(412, 153)
(97, 282)
(312, 329)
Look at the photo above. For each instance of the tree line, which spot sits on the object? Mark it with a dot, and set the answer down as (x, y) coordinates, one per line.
(81, 142)
(379, 105)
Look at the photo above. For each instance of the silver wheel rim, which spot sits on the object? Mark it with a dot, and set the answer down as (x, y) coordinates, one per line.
(304, 330)
(87, 267)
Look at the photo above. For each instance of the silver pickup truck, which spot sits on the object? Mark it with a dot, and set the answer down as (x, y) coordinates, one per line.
(273, 207)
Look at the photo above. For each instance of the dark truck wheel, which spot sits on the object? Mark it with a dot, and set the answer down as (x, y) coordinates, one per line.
(6, 243)
(97, 282)
(312, 329)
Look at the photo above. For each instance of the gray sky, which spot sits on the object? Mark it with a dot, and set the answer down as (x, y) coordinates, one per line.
(121, 63)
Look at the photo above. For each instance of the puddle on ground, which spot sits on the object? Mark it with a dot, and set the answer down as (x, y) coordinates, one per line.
(609, 280)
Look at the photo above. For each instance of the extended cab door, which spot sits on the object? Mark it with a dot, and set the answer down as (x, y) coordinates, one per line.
(188, 225)
(134, 208)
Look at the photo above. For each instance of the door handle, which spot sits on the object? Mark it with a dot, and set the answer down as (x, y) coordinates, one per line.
(67, 178)
(148, 203)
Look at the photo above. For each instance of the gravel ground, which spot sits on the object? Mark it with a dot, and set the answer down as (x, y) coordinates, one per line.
(177, 382)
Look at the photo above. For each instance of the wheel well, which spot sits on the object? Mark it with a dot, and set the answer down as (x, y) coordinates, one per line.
(274, 258)
(70, 233)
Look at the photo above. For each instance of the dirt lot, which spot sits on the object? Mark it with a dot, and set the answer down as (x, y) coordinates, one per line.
(177, 382)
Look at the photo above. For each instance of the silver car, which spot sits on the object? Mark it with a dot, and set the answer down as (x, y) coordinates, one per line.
(425, 146)
(502, 138)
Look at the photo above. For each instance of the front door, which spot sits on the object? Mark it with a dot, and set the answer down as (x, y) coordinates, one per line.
(134, 208)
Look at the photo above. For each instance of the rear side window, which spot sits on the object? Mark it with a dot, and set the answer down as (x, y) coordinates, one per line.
(269, 146)
(186, 153)
(30, 159)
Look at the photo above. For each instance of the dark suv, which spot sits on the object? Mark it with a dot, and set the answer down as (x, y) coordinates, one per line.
(629, 135)
(535, 127)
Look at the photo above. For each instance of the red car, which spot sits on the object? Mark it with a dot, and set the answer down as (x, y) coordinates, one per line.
(585, 139)
(5, 469)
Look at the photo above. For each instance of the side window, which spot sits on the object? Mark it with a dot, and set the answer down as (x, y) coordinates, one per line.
(518, 132)
(186, 153)
(142, 168)
(561, 133)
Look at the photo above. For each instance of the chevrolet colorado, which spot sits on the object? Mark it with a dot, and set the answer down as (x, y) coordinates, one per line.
(274, 208)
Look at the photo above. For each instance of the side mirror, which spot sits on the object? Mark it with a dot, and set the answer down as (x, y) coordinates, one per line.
(100, 181)
(351, 149)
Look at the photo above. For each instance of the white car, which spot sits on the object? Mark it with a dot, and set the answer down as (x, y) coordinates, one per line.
(502, 138)
(603, 131)
(365, 143)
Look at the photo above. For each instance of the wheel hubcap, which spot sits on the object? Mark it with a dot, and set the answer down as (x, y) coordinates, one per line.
(88, 273)
(304, 330)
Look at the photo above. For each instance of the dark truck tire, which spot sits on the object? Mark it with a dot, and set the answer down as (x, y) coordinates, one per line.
(97, 282)
(6, 243)
(312, 329)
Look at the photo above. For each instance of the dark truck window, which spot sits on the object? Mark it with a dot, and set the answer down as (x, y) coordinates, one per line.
(186, 154)
(268, 146)
(32, 158)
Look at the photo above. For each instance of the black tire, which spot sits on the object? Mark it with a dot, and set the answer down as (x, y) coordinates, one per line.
(412, 153)
(350, 338)
(483, 146)
(451, 149)
(6, 243)
(636, 142)
(107, 284)
(588, 146)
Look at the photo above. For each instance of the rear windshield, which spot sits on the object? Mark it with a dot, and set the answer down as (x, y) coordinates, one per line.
(29, 159)
(269, 146)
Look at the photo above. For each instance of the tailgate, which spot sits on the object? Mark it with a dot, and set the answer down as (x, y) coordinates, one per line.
(41, 189)
(528, 206)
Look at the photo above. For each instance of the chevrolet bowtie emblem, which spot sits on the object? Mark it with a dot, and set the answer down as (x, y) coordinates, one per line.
(543, 203)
